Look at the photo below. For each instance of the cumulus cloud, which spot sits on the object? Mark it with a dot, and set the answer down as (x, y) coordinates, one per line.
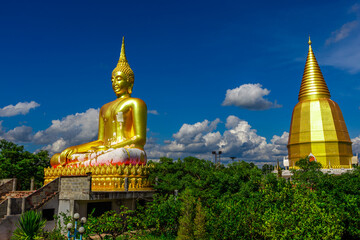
(356, 145)
(239, 140)
(249, 96)
(69, 131)
(190, 133)
(21, 134)
(154, 112)
(56, 146)
(342, 33)
(20, 108)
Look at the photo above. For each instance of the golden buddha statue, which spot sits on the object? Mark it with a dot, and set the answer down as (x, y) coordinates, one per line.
(122, 128)
(317, 125)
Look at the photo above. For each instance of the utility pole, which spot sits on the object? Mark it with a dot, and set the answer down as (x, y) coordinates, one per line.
(217, 156)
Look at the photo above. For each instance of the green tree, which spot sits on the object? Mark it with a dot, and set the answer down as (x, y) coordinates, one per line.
(308, 173)
(239, 202)
(200, 222)
(267, 168)
(111, 223)
(15, 162)
(186, 221)
(161, 215)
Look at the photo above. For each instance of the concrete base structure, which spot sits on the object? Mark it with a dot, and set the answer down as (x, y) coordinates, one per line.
(69, 195)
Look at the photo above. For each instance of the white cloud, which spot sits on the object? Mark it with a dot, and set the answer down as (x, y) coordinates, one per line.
(198, 139)
(193, 133)
(239, 140)
(69, 131)
(154, 112)
(343, 48)
(20, 108)
(56, 146)
(356, 145)
(345, 56)
(249, 96)
(342, 33)
(21, 134)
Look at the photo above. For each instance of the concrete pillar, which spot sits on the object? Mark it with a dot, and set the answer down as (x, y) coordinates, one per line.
(8, 210)
(72, 206)
(64, 207)
(14, 184)
(133, 203)
(23, 205)
(32, 184)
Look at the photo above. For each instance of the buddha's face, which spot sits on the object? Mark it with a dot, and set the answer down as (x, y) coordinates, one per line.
(120, 84)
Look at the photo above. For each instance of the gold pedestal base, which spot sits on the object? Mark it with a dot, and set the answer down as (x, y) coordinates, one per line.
(107, 177)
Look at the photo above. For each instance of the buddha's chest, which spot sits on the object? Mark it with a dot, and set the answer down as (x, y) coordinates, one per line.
(116, 113)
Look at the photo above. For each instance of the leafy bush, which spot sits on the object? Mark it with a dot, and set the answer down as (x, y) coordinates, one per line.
(111, 223)
(29, 226)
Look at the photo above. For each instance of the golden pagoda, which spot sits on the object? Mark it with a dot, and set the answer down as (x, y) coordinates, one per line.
(317, 125)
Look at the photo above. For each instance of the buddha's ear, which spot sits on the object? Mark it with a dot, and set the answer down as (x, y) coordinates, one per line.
(130, 89)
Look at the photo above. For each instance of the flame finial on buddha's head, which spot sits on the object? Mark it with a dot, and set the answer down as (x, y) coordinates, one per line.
(123, 65)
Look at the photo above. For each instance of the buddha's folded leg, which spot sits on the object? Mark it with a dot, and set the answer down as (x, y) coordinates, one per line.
(122, 156)
(81, 159)
(111, 156)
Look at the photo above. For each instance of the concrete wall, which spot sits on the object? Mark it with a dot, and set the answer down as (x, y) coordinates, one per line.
(6, 185)
(3, 208)
(71, 189)
(41, 194)
(52, 204)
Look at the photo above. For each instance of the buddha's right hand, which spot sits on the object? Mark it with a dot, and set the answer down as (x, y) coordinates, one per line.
(65, 155)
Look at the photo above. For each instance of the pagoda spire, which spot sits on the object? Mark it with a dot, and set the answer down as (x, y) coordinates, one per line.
(313, 84)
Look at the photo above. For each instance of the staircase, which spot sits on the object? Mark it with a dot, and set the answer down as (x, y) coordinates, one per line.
(6, 186)
(17, 202)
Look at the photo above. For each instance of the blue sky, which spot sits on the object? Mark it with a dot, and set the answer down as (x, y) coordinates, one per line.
(219, 75)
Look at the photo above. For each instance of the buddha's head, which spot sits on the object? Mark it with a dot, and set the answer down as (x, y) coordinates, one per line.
(122, 76)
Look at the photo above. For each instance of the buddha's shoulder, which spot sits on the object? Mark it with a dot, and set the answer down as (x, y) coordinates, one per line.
(132, 101)
(106, 105)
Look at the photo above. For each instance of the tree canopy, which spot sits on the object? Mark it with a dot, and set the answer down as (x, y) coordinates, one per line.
(241, 201)
(15, 162)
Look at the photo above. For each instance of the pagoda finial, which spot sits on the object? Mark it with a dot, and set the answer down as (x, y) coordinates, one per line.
(309, 42)
(313, 84)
